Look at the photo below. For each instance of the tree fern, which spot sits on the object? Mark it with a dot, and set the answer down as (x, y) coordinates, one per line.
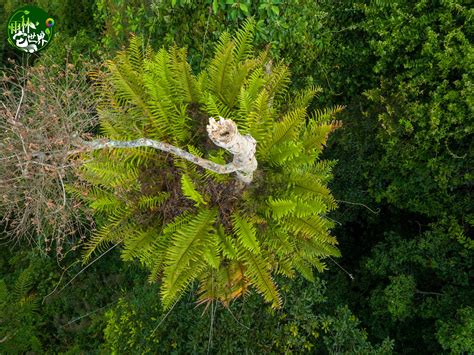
(187, 224)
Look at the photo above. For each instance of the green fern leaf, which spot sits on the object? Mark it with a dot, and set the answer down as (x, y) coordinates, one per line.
(138, 244)
(190, 191)
(184, 257)
(281, 207)
(227, 245)
(246, 233)
(243, 41)
(151, 202)
(304, 269)
(287, 129)
(259, 274)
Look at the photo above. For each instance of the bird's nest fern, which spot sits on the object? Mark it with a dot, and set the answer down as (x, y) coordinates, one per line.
(184, 222)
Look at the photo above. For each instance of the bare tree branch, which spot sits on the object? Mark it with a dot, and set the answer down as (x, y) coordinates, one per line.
(223, 133)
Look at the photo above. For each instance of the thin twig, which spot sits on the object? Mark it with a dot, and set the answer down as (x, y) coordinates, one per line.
(163, 319)
(19, 105)
(333, 220)
(60, 279)
(232, 314)
(88, 265)
(428, 293)
(360, 204)
(89, 313)
(335, 262)
(209, 342)
(204, 38)
(62, 186)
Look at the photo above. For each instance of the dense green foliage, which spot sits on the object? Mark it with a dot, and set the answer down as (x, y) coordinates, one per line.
(305, 325)
(280, 24)
(126, 316)
(414, 95)
(404, 72)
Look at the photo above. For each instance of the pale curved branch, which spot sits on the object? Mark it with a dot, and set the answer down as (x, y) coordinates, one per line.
(223, 133)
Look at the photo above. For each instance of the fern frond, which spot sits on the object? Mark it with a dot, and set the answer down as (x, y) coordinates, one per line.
(23, 284)
(108, 172)
(260, 119)
(139, 245)
(259, 274)
(315, 137)
(310, 207)
(151, 202)
(313, 227)
(216, 108)
(246, 233)
(184, 256)
(304, 269)
(162, 113)
(135, 53)
(237, 78)
(121, 125)
(139, 156)
(224, 284)
(318, 264)
(155, 259)
(282, 153)
(307, 183)
(115, 229)
(304, 97)
(107, 202)
(280, 241)
(212, 251)
(279, 81)
(326, 115)
(189, 190)
(310, 249)
(243, 41)
(280, 207)
(177, 222)
(284, 266)
(179, 125)
(157, 255)
(255, 83)
(160, 72)
(227, 244)
(219, 68)
(287, 129)
(127, 85)
(183, 76)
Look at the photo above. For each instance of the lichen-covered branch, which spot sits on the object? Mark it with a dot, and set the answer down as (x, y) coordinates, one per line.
(223, 133)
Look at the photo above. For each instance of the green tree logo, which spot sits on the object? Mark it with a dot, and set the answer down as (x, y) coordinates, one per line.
(30, 29)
